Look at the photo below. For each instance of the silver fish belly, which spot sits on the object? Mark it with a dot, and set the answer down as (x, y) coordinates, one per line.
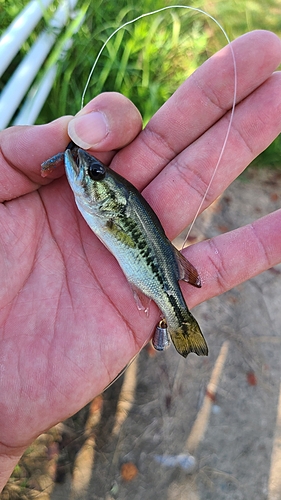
(125, 223)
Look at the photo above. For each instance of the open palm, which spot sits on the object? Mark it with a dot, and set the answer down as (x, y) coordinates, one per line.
(68, 320)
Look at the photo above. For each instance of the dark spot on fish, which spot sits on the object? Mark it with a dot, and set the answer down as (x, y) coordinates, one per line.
(176, 308)
(141, 245)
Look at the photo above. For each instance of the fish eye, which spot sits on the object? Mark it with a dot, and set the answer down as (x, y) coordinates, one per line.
(96, 171)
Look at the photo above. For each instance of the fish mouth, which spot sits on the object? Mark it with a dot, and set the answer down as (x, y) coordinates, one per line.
(71, 157)
(84, 159)
(76, 163)
(79, 159)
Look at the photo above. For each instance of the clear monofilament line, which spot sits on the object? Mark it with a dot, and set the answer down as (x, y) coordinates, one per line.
(146, 14)
(221, 153)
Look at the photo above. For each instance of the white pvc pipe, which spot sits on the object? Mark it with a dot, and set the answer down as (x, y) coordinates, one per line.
(19, 30)
(19, 83)
(36, 99)
(38, 94)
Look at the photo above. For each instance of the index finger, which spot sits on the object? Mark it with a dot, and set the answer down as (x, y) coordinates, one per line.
(199, 103)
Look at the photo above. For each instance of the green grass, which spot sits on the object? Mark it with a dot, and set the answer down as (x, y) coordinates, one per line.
(146, 61)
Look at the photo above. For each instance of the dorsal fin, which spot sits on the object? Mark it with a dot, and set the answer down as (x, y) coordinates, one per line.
(187, 271)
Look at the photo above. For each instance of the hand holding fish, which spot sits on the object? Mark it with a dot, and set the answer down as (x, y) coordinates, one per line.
(68, 320)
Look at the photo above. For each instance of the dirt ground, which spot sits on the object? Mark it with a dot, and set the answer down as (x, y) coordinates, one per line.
(196, 429)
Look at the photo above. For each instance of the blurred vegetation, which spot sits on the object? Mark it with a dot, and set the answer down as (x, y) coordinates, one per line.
(146, 61)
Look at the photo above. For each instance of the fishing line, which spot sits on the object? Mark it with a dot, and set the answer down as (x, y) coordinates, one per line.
(157, 11)
(197, 10)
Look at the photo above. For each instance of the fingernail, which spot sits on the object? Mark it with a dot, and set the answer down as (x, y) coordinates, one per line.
(88, 130)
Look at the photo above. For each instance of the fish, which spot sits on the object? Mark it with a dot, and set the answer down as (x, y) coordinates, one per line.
(128, 227)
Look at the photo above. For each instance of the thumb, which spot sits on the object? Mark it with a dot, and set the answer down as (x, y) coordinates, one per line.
(108, 122)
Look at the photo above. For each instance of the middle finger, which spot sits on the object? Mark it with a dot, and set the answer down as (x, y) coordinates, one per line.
(183, 183)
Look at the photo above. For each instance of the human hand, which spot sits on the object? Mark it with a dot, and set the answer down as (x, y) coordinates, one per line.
(68, 321)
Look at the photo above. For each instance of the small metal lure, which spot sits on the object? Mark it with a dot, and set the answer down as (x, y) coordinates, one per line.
(161, 338)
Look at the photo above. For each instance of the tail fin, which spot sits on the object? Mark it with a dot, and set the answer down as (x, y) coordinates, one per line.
(189, 338)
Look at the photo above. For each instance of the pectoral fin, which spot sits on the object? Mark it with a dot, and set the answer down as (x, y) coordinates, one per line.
(141, 300)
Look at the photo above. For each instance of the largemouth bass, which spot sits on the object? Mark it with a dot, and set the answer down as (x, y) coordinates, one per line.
(125, 223)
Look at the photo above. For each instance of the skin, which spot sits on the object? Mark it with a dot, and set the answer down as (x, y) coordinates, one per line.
(68, 320)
